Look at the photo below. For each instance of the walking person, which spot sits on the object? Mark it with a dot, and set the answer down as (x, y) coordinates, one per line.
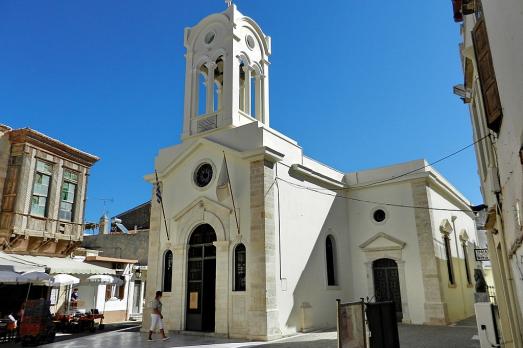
(156, 317)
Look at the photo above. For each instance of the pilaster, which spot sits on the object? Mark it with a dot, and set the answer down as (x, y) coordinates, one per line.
(435, 308)
(262, 307)
(222, 287)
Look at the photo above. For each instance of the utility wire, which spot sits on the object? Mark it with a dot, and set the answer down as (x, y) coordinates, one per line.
(367, 201)
(407, 173)
(425, 166)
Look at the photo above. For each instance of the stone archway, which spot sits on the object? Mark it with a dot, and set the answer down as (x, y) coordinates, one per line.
(201, 280)
(203, 211)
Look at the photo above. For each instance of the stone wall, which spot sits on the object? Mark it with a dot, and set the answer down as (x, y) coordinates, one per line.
(134, 246)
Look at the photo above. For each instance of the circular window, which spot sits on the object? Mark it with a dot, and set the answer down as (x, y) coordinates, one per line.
(379, 215)
(250, 41)
(209, 37)
(203, 175)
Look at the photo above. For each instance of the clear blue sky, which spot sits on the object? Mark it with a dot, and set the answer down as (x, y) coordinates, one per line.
(359, 84)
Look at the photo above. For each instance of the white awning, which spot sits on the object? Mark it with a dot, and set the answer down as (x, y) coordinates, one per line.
(11, 262)
(55, 265)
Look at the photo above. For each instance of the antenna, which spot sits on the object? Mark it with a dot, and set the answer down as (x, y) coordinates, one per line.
(105, 200)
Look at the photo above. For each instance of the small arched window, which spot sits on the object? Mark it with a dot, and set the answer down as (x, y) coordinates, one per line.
(167, 271)
(330, 254)
(240, 267)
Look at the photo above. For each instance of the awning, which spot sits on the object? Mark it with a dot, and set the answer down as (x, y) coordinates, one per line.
(54, 265)
(11, 262)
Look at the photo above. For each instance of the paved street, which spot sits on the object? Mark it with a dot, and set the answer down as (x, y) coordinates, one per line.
(411, 336)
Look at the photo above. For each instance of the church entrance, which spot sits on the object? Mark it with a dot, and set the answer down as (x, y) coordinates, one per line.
(387, 283)
(201, 280)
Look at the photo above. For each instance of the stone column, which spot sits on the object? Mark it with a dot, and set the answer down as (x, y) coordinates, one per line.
(258, 97)
(179, 286)
(219, 96)
(222, 287)
(209, 83)
(247, 89)
(195, 93)
(263, 320)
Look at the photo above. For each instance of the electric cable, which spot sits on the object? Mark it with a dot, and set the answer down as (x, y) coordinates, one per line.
(398, 205)
(410, 171)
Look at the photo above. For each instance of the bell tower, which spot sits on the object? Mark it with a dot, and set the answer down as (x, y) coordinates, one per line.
(227, 73)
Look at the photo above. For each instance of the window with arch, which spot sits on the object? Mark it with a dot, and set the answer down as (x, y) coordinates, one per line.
(448, 253)
(167, 271)
(330, 255)
(466, 261)
(240, 267)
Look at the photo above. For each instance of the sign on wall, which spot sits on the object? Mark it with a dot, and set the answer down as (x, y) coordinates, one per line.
(193, 300)
(481, 254)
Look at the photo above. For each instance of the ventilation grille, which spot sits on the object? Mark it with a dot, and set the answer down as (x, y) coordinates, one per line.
(207, 124)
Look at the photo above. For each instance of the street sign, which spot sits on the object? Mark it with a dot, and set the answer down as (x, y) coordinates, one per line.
(481, 254)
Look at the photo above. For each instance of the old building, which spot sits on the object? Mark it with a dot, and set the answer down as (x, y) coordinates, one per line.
(491, 55)
(43, 184)
(124, 237)
(251, 238)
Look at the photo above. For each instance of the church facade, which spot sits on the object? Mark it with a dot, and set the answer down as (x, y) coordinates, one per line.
(257, 240)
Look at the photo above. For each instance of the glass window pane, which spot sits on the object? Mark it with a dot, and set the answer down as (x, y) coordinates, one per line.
(240, 270)
(70, 176)
(38, 204)
(68, 191)
(43, 167)
(41, 186)
(65, 215)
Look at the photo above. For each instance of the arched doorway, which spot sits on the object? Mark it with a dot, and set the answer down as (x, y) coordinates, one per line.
(387, 283)
(201, 280)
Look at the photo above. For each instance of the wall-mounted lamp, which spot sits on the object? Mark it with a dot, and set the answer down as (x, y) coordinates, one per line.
(137, 272)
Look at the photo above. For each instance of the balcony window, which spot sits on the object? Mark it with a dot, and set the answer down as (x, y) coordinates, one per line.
(42, 182)
(67, 196)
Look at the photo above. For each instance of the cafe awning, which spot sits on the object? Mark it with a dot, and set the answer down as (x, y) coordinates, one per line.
(53, 265)
(11, 262)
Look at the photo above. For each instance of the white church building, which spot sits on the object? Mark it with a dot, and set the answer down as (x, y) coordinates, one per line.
(259, 241)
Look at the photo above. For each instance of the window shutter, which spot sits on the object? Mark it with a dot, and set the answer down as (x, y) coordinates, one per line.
(108, 291)
(121, 292)
(487, 77)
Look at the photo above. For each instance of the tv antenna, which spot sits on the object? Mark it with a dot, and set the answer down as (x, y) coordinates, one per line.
(105, 201)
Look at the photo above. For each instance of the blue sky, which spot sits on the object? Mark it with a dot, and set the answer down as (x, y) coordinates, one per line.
(359, 84)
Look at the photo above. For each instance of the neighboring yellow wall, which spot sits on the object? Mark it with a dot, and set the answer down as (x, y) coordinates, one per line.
(459, 297)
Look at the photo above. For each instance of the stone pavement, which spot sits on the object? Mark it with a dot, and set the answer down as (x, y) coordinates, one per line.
(459, 335)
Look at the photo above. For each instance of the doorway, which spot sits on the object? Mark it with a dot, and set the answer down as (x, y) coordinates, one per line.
(387, 284)
(137, 297)
(201, 280)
